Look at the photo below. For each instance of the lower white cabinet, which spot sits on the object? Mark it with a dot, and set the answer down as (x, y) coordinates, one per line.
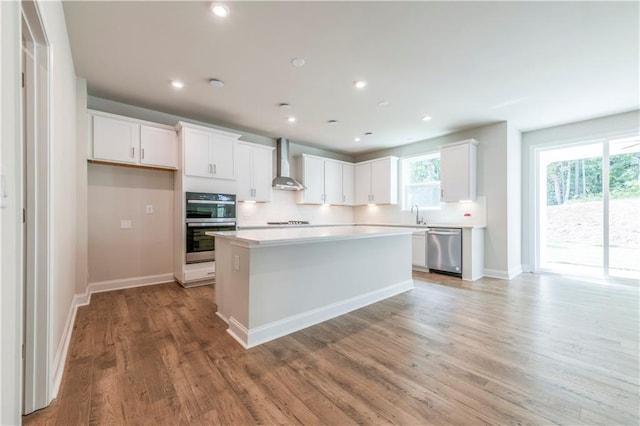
(419, 250)
(254, 172)
(117, 139)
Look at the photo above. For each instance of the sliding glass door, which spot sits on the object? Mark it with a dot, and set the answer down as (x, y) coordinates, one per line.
(588, 209)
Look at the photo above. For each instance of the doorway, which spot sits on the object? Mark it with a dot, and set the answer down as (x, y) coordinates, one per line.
(588, 199)
(35, 203)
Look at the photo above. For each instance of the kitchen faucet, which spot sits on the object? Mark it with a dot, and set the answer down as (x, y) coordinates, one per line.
(419, 220)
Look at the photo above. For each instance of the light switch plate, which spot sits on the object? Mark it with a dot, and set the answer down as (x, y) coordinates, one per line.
(125, 224)
(149, 208)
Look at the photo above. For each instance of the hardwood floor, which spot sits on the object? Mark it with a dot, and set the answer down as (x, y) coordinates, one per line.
(534, 350)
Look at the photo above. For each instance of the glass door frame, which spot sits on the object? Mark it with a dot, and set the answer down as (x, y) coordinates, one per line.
(538, 187)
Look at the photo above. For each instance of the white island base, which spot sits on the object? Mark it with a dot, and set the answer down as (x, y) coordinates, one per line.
(270, 283)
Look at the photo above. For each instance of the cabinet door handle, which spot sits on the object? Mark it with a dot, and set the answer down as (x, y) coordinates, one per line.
(210, 169)
(142, 153)
(133, 152)
(214, 169)
(441, 193)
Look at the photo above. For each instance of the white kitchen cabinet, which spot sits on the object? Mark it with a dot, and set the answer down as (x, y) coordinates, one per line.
(458, 171)
(158, 147)
(118, 139)
(254, 172)
(377, 181)
(348, 184)
(419, 251)
(313, 180)
(208, 152)
(324, 181)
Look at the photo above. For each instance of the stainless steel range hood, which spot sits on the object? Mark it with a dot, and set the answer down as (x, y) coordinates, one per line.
(283, 179)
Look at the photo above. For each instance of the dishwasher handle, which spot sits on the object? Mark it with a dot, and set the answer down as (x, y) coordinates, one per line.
(443, 232)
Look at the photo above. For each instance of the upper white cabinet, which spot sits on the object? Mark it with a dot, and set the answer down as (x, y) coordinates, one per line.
(208, 152)
(158, 146)
(458, 171)
(348, 184)
(377, 181)
(118, 139)
(254, 172)
(326, 181)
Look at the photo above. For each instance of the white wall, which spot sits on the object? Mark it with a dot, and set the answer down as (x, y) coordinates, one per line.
(122, 193)
(514, 200)
(62, 183)
(492, 184)
(10, 216)
(283, 207)
(581, 131)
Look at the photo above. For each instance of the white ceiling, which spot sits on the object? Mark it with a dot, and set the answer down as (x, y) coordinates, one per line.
(463, 63)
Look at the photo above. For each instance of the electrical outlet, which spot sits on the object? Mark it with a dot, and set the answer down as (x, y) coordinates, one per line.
(125, 224)
(236, 262)
(149, 208)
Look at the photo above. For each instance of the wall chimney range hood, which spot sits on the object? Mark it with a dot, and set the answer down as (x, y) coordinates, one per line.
(283, 179)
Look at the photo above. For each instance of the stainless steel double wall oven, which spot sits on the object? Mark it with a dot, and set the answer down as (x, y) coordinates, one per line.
(207, 212)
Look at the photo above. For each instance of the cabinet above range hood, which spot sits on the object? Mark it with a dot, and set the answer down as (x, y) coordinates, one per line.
(283, 179)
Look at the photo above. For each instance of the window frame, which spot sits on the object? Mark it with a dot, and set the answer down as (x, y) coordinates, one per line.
(424, 155)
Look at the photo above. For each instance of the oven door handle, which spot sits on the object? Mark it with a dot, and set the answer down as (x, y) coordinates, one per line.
(210, 224)
(209, 202)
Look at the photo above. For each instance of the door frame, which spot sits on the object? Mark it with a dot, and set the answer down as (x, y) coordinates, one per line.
(35, 117)
(603, 138)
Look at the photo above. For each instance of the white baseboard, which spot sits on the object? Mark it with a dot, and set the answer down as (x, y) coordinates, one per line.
(85, 299)
(503, 275)
(61, 354)
(249, 338)
(101, 286)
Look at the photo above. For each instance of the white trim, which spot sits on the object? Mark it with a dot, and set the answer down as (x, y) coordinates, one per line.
(119, 284)
(222, 317)
(496, 273)
(527, 268)
(514, 272)
(61, 354)
(249, 338)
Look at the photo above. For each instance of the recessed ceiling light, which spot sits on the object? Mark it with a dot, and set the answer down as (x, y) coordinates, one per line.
(291, 119)
(356, 139)
(297, 62)
(360, 84)
(426, 118)
(177, 84)
(216, 83)
(285, 107)
(220, 10)
(368, 134)
(332, 122)
(383, 103)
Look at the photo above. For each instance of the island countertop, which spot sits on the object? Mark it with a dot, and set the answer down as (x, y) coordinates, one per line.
(280, 236)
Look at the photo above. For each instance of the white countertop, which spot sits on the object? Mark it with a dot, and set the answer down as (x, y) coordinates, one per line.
(423, 226)
(279, 236)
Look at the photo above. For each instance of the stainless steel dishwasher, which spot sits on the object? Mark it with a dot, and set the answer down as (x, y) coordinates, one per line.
(444, 250)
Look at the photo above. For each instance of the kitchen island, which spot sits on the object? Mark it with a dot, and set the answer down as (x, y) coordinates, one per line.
(273, 282)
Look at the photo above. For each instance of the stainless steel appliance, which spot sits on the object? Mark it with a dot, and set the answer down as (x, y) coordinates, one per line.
(444, 250)
(290, 222)
(283, 169)
(207, 212)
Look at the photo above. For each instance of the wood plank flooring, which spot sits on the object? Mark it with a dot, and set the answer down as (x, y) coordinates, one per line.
(534, 350)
